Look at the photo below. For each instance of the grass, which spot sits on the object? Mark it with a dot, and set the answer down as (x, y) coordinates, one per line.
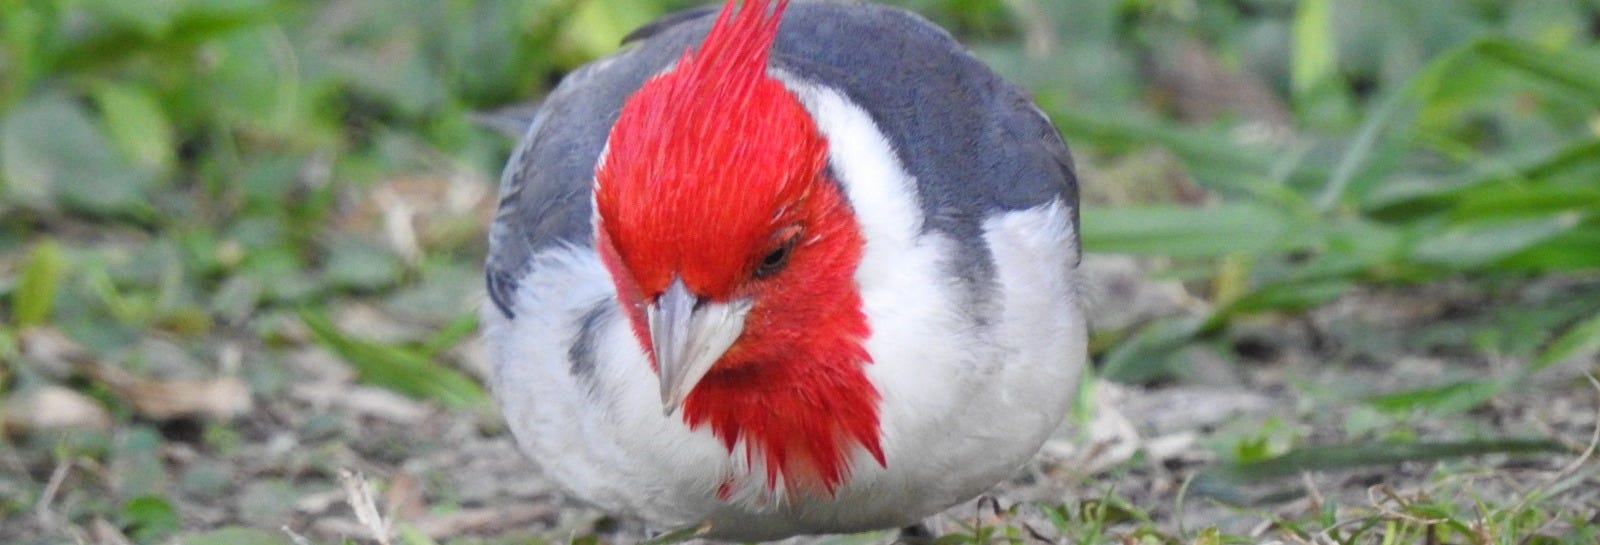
(198, 195)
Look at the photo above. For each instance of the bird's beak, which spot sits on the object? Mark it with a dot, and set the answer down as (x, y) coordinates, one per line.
(689, 334)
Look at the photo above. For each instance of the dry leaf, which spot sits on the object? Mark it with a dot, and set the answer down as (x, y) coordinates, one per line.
(403, 498)
(54, 408)
(365, 401)
(221, 398)
(217, 399)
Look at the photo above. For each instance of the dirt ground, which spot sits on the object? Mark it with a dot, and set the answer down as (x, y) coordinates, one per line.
(1288, 381)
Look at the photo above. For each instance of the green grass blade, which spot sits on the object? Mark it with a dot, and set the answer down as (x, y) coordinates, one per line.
(1574, 161)
(1579, 155)
(452, 333)
(397, 368)
(1185, 232)
(1314, 53)
(1454, 397)
(1150, 353)
(236, 535)
(199, 23)
(1281, 296)
(410, 535)
(35, 293)
(137, 125)
(1580, 339)
(1212, 156)
(1474, 246)
(1510, 201)
(1569, 251)
(1362, 146)
(1577, 72)
(1329, 457)
(677, 536)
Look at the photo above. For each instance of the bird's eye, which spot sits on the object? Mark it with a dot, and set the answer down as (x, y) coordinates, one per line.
(776, 260)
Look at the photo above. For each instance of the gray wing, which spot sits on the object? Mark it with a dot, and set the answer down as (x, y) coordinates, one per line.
(546, 187)
(976, 144)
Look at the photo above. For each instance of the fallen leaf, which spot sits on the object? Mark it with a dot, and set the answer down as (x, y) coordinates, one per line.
(216, 399)
(363, 401)
(403, 498)
(54, 408)
(221, 398)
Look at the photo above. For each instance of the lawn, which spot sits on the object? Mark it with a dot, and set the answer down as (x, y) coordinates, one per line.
(1344, 259)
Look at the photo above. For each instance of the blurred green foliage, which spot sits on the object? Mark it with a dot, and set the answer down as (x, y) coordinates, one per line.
(1428, 138)
(1417, 152)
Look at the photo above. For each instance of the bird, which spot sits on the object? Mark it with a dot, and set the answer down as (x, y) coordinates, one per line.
(778, 269)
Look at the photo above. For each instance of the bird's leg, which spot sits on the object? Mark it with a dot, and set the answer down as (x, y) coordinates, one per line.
(916, 534)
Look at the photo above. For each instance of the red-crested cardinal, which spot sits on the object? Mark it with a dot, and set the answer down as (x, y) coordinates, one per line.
(770, 280)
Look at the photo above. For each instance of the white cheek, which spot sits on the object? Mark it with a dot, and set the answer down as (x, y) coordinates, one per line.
(979, 388)
(906, 295)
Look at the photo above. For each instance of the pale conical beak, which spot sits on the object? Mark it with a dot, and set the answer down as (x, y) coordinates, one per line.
(689, 335)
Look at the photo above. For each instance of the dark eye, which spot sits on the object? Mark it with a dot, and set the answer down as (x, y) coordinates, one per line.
(777, 259)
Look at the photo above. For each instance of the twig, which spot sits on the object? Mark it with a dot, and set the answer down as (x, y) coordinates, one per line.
(1036, 534)
(679, 535)
(294, 537)
(1261, 528)
(1315, 502)
(107, 534)
(1178, 507)
(1327, 533)
(1594, 439)
(359, 494)
(1293, 536)
(1314, 495)
(1583, 457)
(42, 509)
(1390, 494)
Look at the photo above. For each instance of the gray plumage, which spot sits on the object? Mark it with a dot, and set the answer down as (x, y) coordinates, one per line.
(582, 353)
(974, 143)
